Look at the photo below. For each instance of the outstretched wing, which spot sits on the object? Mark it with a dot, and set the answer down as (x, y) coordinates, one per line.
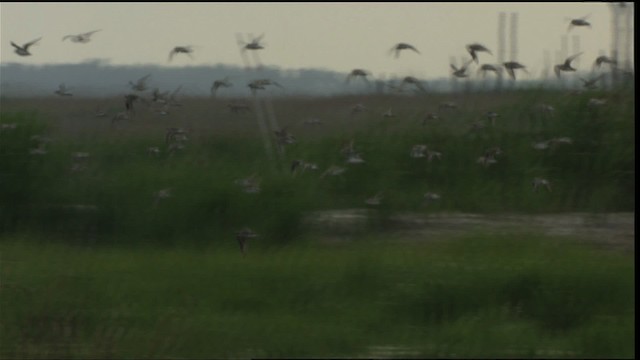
(571, 58)
(556, 69)
(468, 63)
(15, 46)
(411, 47)
(91, 32)
(26, 46)
(257, 40)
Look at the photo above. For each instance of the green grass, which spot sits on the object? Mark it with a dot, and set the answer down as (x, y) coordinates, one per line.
(123, 278)
(594, 174)
(479, 295)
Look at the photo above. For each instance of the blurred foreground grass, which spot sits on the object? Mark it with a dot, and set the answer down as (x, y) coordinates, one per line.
(471, 296)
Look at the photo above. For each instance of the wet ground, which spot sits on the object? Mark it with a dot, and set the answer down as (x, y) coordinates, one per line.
(611, 230)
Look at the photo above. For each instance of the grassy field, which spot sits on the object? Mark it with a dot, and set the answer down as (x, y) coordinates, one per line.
(95, 265)
(474, 296)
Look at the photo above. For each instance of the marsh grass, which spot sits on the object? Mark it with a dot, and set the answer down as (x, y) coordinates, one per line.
(477, 295)
(594, 174)
(93, 266)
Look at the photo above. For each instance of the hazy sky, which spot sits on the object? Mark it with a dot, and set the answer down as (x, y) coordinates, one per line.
(334, 36)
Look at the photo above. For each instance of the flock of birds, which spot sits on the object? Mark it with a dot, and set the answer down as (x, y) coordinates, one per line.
(176, 137)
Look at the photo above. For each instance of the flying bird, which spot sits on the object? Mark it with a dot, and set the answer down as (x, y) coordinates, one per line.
(511, 66)
(591, 83)
(181, 50)
(24, 49)
(141, 84)
(488, 67)
(357, 73)
(461, 72)
(412, 80)
(579, 22)
(475, 48)
(81, 38)
(566, 66)
(220, 83)
(63, 90)
(254, 44)
(402, 46)
(604, 60)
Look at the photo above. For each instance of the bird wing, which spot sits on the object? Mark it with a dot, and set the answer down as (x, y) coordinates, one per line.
(511, 73)
(257, 40)
(568, 61)
(556, 69)
(413, 48)
(453, 67)
(67, 37)
(91, 32)
(144, 79)
(26, 46)
(394, 48)
(15, 46)
(474, 57)
(464, 67)
(171, 54)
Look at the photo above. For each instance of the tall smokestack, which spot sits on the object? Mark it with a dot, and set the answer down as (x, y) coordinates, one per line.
(502, 25)
(546, 56)
(513, 37)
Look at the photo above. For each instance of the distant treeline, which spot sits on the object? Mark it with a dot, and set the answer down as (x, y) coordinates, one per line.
(97, 78)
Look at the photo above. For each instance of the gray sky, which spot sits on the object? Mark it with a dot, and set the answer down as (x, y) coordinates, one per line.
(334, 36)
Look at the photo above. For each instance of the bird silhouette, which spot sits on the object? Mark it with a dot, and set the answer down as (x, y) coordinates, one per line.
(81, 38)
(24, 49)
(489, 67)
(63, 90)
(579, 22)
(358, 73)
(461, 72)
(474, 48)
(511, 66)
(402, 46)
(141, 84)
(604, 60)
(566, 66)
(181, 50)
(254, 44)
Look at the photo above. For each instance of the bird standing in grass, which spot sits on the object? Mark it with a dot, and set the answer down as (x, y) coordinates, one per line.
(539, 182)
(243, 236)
(63, 90)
